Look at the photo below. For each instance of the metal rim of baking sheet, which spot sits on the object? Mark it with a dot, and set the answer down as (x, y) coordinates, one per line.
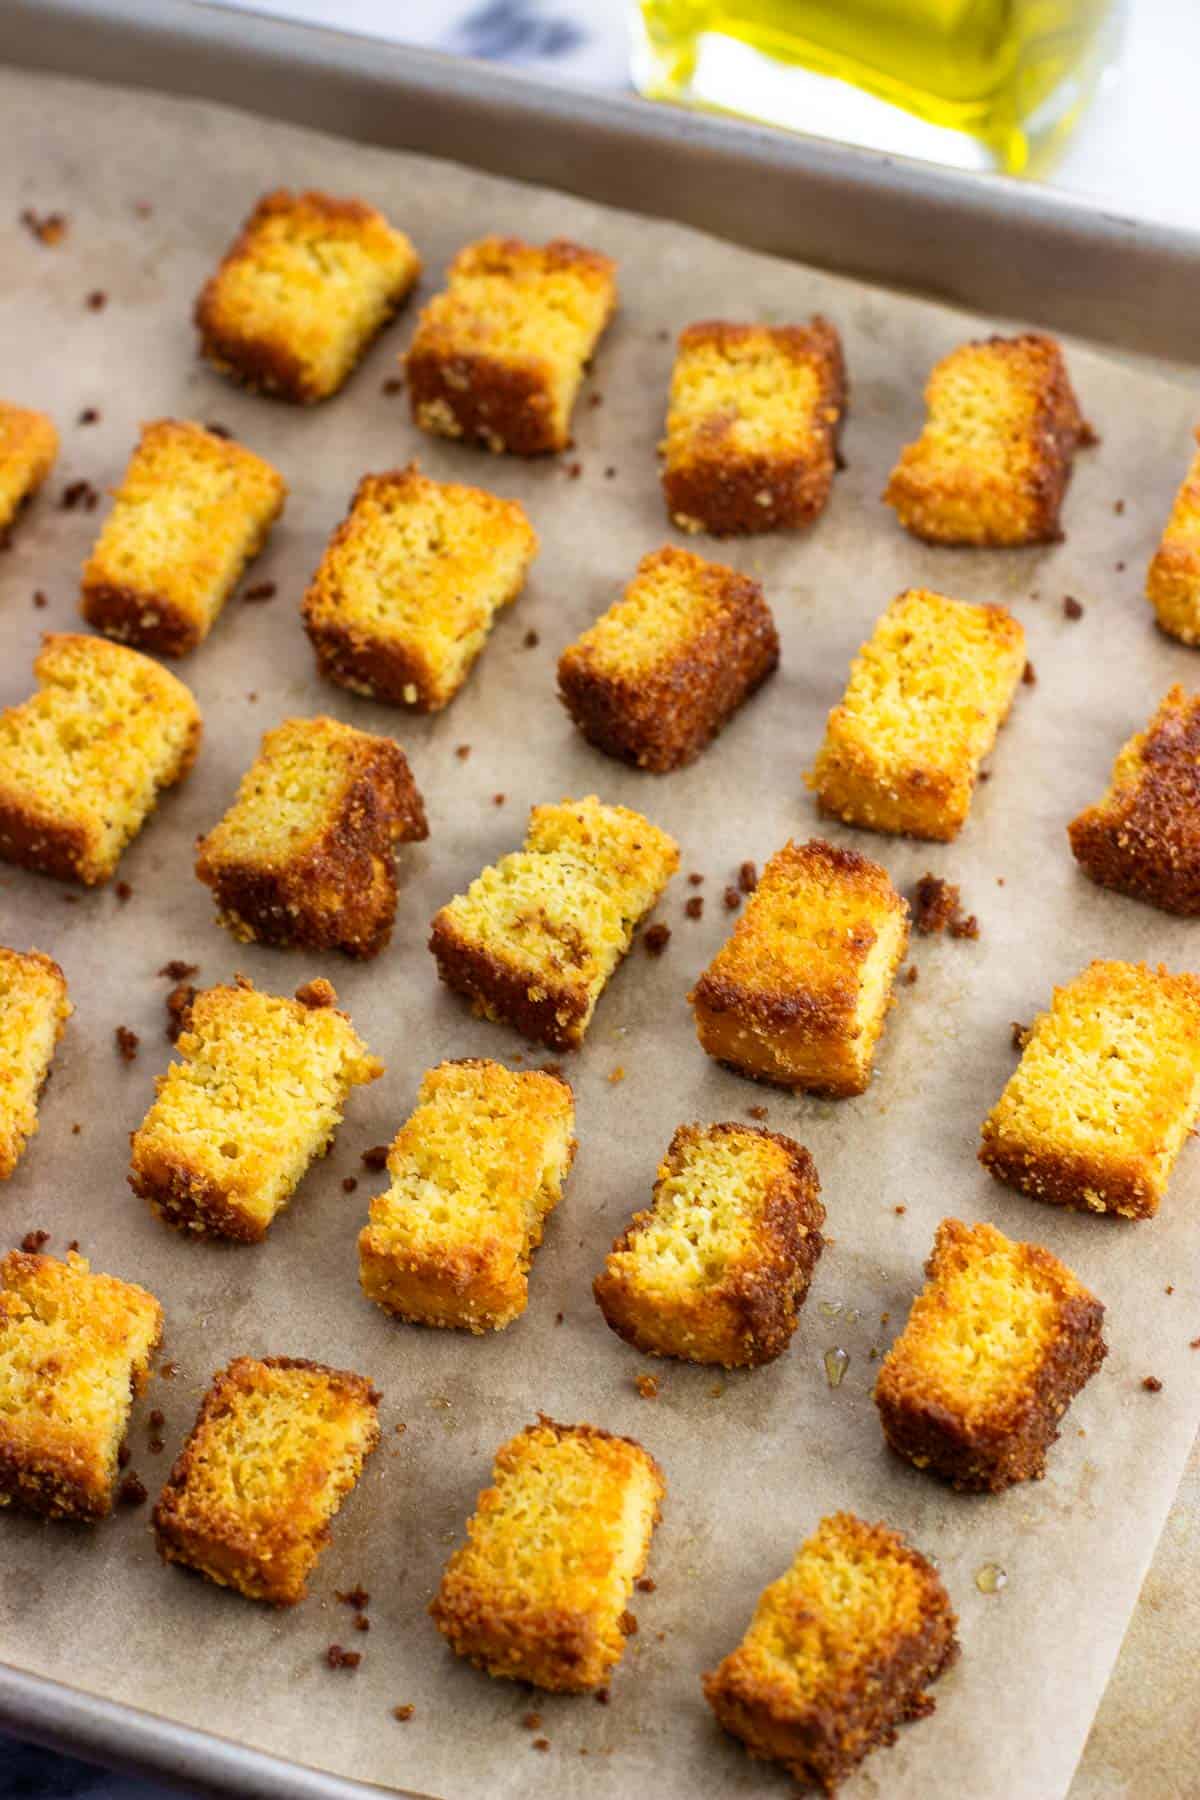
(977, 241)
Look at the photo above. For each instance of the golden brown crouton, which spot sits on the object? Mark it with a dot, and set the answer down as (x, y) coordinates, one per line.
(276, 1448)
(1143, 837)
(28, 447)
(34, 1010)
(998, 1343)
(498, 358)
(303, 290)
(838, 1653)
(1105, 1093)
(752, 426)
(475, 1172)
(410, 584)
(927, 694)
(258, 1095)
(82, 762)
(305, 855)
(74, 1348)
(192, 510)
(717, 1270)
(798, 994)
(992, 463)
(659, 674)
(539, 1591)
(1173, 578)
(535, 938)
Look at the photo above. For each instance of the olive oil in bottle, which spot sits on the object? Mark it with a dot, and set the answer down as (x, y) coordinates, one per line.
(979, 83)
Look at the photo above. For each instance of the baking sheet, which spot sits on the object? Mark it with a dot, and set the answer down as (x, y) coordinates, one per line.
(752, 1460)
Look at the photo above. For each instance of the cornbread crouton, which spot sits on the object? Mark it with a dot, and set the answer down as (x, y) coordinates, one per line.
(83, 760)
(1173, 578)
(305, 855)
(1105, 1093)
(475, 1171)
(499, 356)
(993, 460)
(34, 1010)
(28, 447)
(798, 993)
(411, 583)
(838, 1653)
(257, 1096)
(998, 1343)
(658, 675)
(74, 1348)
(1143, 837)
(926, 696)
(539, 1591)
(753, 421)
(717, 1270)
(192, 510)
(535, 937)
(275, 1449)
(303, 290)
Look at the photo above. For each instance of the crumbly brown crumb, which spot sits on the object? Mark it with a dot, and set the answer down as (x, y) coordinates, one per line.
(628, 1624)
(1029, 675)
(97, 300)
(74, 1245)
(531, 640)
(75, 1130)
(47, 228)
(32, 1242)
(462, 752)
(179, 1002)
(899, 1210)
(935, 903)
(349, 1183)
(79, 494)
(499, 799)
(646, 1584)
(1119, 567)
(376, 1157)
(602, 1696)
(595, 399)
(609, 472)
(403, 1713)
(179, 971)
(123, 892)
(316, 994)
(39, 598)
(337, 1658)
(1020, 1035)
(361, 1622)
(218, 430)
(694, 908)
(169, 1371)
(89, 416)
(647, 1386)
(133, 1490)
(559, 1317)
(965, 927)
(748, 877)
(695, 879)
(1118, 506)
(127, 1043)
(1194, 1343)
(656, 938)
(1170, 1288)
(574, 470)
(531, 1720)
(262, 590)
(123, 1455)
(758, 1112)
(910, 975)
(541, 1744)
(357, 1597)
(1152, 1384)
(732, 898)
(1071, 607)
(393, 385)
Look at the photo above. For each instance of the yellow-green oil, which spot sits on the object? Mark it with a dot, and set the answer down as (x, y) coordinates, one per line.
(1011, 75)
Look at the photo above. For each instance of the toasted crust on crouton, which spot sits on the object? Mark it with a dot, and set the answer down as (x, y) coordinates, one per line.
(74, 1349)
(927, 694)
(753, 421)
(1143, 837)
(1173, 578)
(304, 856)
(410, 586)
(799, 992)
(539, 1591)
(498, 357)
(998, 1343)
(28, 448)
(34, 1010)
(475, 1172)
(992, 463)
(190, 513)
(659, 674)
(838, 1653)
(535, 938)
(257, 1095)
(83, 760)
(276, 1448)
(717, 1270)
(298, 297)
(1105, 1093)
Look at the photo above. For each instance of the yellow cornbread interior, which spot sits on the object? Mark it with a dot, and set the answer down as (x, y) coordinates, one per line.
(706, 1215)
(28, 447)
(763, 394)
(523, 303)
(288, 796)
(33, 1010)
(664, 608)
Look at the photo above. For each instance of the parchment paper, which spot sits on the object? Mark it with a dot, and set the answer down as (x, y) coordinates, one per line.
(752, 1460)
